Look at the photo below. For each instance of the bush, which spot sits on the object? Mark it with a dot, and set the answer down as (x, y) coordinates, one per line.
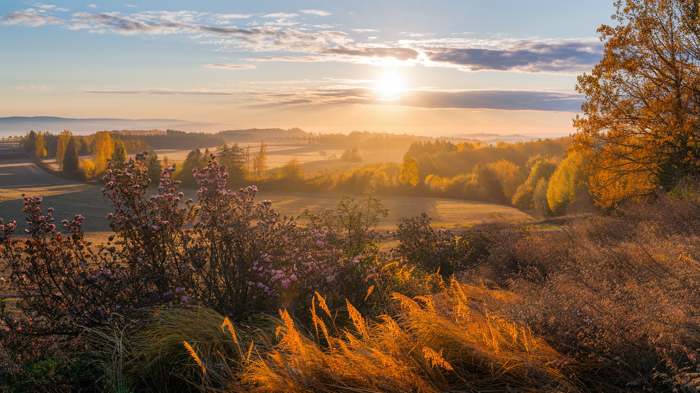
(440, 250)
(617, 293)
(225, 250)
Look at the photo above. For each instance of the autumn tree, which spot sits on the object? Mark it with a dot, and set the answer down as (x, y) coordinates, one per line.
(509, 174)
(196, 159)
(71, 160)
(103, 150)
(540, 168)
(119, 154)
(29, 142)
(292, 171)
(154, 167)
(410, 173)
(61, 146)
(260, 161)
(40, 150)
(568, 184)
(234, 160)
(641, 117)
(488, 187)
(539, 198)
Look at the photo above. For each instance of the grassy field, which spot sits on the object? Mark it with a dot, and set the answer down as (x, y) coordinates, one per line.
(19, 177)
(313, 159)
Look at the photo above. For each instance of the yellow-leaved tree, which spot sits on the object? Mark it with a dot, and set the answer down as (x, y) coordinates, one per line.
(641, 117)
(61, 145)
(568, 184)
(103, 150)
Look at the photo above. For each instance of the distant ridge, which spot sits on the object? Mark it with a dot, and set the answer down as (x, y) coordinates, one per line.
(12, 125)
(492, 138)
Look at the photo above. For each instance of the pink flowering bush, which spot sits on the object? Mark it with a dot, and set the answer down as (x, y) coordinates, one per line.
(225, 250)
(247, 258)
(62, 282)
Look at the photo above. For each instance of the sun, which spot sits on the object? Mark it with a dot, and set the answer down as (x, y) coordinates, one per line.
(389, 86)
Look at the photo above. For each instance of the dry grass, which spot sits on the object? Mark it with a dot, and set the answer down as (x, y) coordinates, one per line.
(447, 342)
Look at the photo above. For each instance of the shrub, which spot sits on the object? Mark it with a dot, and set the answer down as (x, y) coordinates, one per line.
(617, 293)
(225, 250)
(441, 250)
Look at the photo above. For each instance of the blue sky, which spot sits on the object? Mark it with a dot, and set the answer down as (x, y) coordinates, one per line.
(401, 66)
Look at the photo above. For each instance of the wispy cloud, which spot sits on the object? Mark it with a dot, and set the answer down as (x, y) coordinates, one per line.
(356, 92)
(286, 38)
(423, 98)
(32, 17)
(315, 12)
(231, 66)
(280, 15)
(163, 92)
(520, 55)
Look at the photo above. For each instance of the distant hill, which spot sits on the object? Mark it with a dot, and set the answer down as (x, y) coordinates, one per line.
(267, 134)
(22, 124)
(492, 138)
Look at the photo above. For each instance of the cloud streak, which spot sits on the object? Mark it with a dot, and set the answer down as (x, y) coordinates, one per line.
(285, 38)
(436, 99)
(419, 98)
(315, 12)
(230, 66)
(162, 92)
(523, 55)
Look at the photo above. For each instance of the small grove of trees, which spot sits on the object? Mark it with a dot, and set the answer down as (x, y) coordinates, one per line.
(540, 169)
(351, 155)
(233, 158)
(568, 185)
(641, 117)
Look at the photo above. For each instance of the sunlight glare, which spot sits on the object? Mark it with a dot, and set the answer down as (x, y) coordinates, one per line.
(389, 86)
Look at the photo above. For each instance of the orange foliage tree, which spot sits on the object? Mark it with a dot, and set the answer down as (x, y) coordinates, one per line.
(103, 150)
(641, 118)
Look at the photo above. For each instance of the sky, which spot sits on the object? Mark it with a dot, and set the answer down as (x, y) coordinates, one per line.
(424, 67)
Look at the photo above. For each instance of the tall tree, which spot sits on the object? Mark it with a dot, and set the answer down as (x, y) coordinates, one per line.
(119, 154)
(641, 117)
(260, 161)
(233, 158)
(568, 183)
(103, 150)
(489, 187)
(195, 160)
(29, 142)
(154, 167)
(61, 145)
(71, 160)
(410, 173)
(40, 150)
(291, 171)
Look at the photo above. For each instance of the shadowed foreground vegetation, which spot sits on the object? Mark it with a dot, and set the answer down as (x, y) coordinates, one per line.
(223, 294)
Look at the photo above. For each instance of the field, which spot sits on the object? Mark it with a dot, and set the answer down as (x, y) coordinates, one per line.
(19, 177)
(312, 158)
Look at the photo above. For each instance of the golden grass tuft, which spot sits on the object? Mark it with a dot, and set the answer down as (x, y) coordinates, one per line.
(445, 342)
(193, 354)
